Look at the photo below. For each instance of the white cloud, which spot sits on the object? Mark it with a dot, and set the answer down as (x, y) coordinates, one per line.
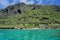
(30, 1)
(27, 1)
(23, 1)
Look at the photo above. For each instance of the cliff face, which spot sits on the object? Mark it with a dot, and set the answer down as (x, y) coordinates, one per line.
(19, 9)
(12, 10)
(31, 16)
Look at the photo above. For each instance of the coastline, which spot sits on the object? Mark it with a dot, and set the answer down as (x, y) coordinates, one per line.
(10, 28)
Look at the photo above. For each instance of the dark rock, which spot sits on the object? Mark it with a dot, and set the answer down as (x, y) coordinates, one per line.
(44, 18)
(57, 22)
(21, 28)
(12, 10)
(36, 7)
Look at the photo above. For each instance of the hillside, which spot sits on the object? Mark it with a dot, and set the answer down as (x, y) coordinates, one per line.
(23, 16)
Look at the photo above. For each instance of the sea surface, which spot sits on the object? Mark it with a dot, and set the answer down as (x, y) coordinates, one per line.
(29, 34)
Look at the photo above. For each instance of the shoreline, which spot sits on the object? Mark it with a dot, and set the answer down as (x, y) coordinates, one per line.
(31, 29)
(35, 28)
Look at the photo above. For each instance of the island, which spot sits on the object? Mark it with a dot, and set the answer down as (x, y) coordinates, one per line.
(30, 16)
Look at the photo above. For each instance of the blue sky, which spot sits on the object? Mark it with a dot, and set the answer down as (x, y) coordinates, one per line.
(5, 3)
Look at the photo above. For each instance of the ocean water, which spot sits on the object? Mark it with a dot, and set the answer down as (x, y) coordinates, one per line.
(29, 34)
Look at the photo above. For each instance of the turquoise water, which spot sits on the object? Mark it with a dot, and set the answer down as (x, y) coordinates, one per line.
(29, 34)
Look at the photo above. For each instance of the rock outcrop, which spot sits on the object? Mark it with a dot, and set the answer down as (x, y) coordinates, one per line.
(22, 15)
(19, 9)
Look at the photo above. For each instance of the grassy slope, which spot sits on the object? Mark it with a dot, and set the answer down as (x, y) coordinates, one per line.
(34, 18)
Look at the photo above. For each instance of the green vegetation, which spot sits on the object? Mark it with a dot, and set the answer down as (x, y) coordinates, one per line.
(38, 18)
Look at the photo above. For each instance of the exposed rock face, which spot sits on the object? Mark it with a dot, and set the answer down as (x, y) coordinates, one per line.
(12, 10)
(19, 9)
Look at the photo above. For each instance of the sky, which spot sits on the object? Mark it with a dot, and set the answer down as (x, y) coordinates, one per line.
(5, 3)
